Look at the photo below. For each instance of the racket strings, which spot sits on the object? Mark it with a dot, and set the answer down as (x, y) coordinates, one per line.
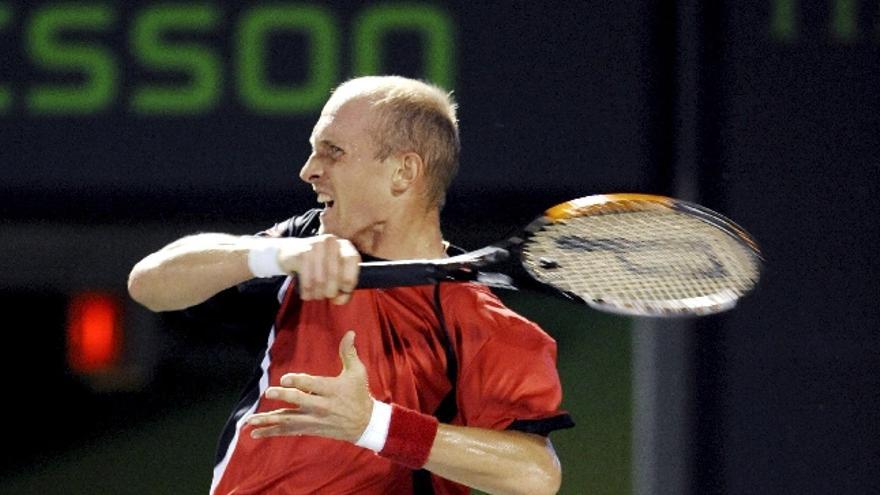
(655, 260)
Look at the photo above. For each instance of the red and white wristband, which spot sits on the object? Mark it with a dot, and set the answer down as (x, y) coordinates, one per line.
(402, 435)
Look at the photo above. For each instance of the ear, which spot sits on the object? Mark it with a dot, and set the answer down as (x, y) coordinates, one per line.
(408, 171)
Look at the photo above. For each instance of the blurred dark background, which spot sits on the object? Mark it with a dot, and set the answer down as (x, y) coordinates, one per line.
(126, 125)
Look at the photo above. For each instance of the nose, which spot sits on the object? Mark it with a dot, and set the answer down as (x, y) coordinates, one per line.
(312, 169)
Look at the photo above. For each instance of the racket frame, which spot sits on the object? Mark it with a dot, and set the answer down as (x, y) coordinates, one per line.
(601, 204)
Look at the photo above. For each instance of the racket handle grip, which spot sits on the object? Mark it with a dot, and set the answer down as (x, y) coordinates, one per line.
(383, 276)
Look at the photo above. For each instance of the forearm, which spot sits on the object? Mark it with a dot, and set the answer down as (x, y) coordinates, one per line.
(496, 462)
(190, 270)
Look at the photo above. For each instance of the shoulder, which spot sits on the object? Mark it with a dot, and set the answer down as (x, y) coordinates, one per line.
(477, 308)
(507, 369)
(305, 225)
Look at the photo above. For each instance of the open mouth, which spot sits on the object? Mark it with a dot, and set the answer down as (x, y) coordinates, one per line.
(326, 200)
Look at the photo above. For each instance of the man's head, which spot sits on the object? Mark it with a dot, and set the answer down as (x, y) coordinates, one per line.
(384, 150)
(410, 116)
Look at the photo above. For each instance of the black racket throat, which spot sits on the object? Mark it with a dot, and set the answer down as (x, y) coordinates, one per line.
(461, 268)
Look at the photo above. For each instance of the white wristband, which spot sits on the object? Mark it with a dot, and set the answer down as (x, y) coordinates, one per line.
(263, 262)
(376, 432)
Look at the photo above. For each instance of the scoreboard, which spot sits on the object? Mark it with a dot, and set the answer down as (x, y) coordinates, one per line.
(183, 59)
(151, 109)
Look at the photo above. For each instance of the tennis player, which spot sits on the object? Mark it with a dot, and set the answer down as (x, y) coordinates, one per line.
(426, 389)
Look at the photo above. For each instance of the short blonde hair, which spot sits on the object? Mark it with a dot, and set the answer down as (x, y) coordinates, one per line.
(412, 116)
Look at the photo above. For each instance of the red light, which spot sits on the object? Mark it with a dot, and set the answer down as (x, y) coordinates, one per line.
(94, 333)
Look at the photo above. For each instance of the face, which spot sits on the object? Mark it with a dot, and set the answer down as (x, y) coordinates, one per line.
(352, 185)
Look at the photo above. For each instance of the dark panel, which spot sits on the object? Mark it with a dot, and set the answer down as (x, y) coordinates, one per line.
(551, 97)
(794, 371)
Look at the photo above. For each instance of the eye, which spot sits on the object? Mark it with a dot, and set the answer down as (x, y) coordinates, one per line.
(335, 151)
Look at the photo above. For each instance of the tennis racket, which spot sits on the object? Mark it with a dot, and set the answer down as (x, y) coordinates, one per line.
(631, 254)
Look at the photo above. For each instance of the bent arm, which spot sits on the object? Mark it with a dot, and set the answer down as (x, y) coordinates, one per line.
(341, 407)
(497, 462)
(191, 270)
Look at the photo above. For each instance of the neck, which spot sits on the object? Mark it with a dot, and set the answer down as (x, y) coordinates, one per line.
(411, 234)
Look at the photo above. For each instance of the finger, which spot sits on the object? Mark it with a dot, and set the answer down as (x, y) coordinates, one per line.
(319, 275)
(331, 267)
(341, 299)
(348, 354)
(316, 259)
(349, 270)
(307, 383)
(270, 431)
(304, 400)
(288, 428)
(306, 277)
(272, 417)
(283, 422)
(351, 260)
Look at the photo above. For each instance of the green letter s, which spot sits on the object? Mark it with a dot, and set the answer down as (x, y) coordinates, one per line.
(200, 63)
(49, 52)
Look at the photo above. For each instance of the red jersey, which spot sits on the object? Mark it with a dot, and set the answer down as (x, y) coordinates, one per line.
(504, 376)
